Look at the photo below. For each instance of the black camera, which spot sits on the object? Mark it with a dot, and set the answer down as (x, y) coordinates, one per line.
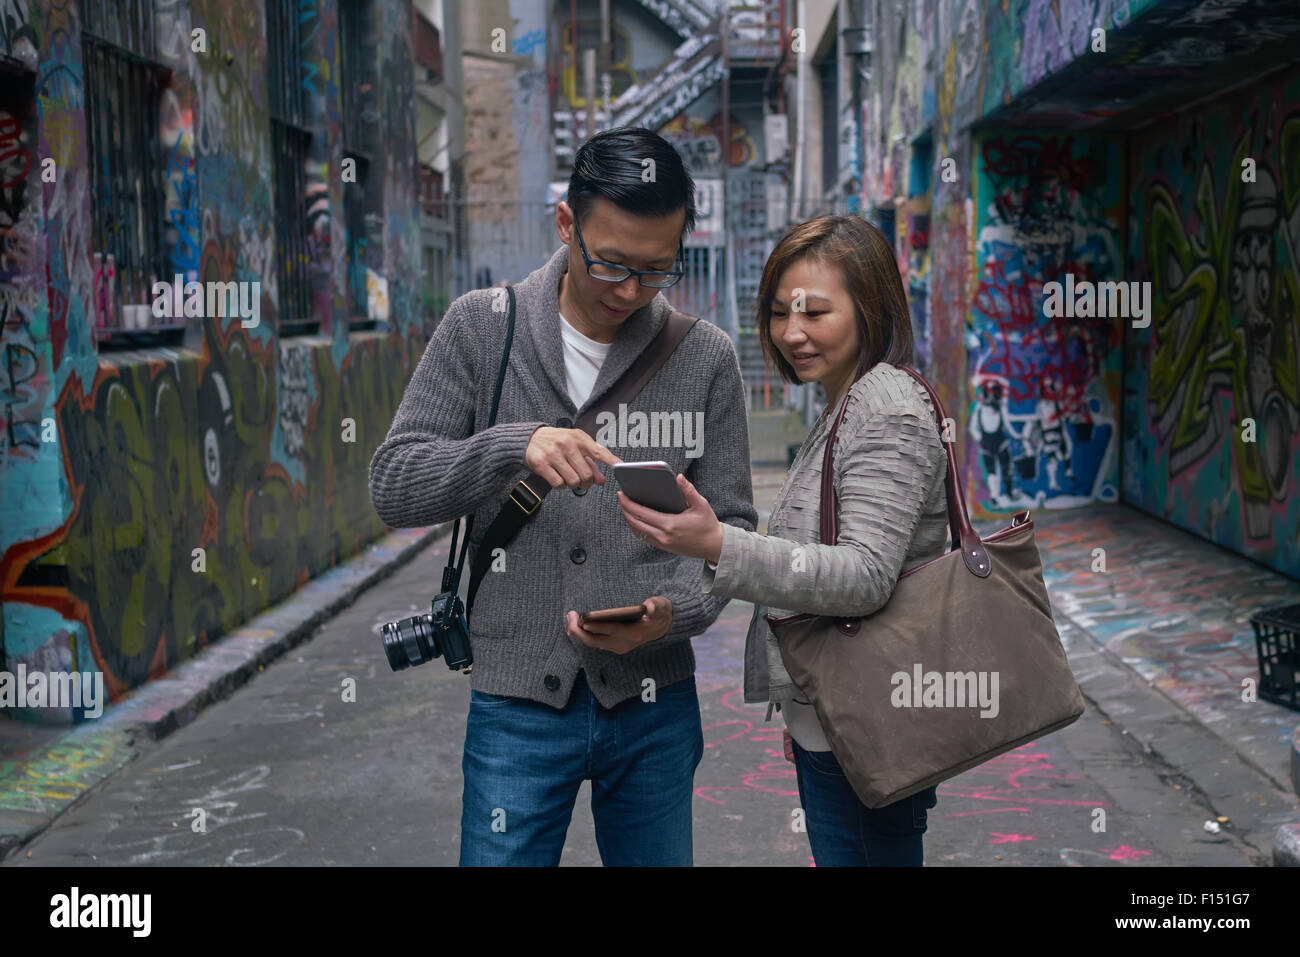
(420, 638)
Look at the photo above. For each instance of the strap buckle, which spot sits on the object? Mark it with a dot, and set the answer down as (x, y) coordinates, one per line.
(537, 499)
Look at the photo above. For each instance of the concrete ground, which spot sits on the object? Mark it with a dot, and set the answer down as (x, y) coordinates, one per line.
(287, 772)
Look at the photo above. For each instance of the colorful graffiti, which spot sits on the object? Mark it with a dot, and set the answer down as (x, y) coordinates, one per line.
(1043, 423)
(1038, 399)
(24, 381)
(1218, 195)
(119, 464)
(700, 143)
(174, 453)
(950, 266)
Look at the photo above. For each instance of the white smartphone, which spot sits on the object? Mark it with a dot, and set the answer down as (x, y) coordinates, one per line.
(652, 484)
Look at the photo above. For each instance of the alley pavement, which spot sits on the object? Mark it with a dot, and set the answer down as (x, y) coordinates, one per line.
(287, 772)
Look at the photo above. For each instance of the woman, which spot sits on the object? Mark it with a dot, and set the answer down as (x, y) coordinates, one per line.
(831, 310)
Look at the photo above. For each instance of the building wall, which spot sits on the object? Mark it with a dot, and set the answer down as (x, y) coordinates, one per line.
(1046, 204)
(119, 465)
(1223, 257)
(1154, 415)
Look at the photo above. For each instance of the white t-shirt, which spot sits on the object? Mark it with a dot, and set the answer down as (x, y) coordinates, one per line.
(583, 358)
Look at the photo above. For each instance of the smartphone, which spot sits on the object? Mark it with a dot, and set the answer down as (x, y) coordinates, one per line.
(628, 614)
(652, 484)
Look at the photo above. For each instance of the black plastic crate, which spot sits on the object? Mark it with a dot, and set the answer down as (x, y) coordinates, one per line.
(1277, 641)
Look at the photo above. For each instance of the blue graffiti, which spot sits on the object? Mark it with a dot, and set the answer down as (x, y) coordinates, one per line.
(357, 273)
(306, 12)
(529, 42)
(185, 254)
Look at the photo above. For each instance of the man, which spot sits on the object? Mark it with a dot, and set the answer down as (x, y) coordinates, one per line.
(552, 702)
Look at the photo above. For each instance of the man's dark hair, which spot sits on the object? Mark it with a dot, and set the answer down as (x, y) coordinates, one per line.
(610, 165)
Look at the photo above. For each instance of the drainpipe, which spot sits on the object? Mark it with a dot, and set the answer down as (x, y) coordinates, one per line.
(733, 319)
(801, 120)
(841, 90)
(859, 44)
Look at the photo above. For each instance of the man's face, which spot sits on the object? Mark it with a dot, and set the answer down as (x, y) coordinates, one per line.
(614, 235)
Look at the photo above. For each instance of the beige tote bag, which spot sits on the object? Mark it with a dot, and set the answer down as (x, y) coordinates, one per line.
(961, 664)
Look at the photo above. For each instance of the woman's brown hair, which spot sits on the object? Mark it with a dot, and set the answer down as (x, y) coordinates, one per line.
(867, 268)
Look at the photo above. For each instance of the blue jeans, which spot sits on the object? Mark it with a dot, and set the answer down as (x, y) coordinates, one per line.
(525, 761)
(844, 832)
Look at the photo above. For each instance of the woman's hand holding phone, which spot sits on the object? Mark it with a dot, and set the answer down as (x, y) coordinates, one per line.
(694, 533)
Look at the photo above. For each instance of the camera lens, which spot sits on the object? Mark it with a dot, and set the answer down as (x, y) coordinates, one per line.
(409, 641)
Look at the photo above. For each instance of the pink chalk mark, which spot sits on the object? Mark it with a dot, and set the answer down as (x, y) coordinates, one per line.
(999, 838)
(1126, 853)
(748, 727)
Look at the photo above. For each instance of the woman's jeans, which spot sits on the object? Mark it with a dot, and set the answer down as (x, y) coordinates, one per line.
(525, 761)
(843, 831)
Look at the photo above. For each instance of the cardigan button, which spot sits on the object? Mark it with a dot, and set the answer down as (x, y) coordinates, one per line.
(578, 555)
(564, 422)
(552, 683)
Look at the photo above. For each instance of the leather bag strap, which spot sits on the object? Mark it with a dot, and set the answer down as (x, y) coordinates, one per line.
(962, 533)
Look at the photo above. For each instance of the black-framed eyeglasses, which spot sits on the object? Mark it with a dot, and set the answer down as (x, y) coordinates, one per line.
(613, 272)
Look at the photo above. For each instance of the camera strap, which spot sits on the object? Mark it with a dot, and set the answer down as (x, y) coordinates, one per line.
(527, 494)
(451, 574)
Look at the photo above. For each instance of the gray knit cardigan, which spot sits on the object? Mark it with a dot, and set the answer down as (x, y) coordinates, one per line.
(577, 552)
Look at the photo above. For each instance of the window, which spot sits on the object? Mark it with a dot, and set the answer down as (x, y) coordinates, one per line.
(829, 76)
(123, 85)
(357, 107)
(290, 145)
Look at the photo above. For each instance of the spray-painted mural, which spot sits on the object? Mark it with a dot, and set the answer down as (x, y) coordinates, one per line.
(171, 455)
(1216, 198)
(249, 445)
(1045, 389)
(1009, 92)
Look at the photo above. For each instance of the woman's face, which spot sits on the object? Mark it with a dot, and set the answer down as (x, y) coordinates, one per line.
(821, 339)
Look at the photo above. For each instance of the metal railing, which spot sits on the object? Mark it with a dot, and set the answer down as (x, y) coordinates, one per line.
(122, 84)
(290, 150)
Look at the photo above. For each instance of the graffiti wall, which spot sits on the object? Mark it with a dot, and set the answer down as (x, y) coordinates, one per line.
(1044, 388)
(183, 524)
(1216, 197)
(155, 499)
(1012, 94)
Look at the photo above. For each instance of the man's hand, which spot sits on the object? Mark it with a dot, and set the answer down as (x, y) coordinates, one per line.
(622, 637)
(563, 457)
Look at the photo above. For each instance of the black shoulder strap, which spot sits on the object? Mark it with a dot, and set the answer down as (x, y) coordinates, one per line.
(527, 494)
(451, 574)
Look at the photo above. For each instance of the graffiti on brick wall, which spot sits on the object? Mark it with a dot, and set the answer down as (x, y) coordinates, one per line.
(237, 449)
(950, 265)
(18, 38)
(24, 379)
(175, 454)
(700, 143)
(1044, 390)
(1223, 255)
